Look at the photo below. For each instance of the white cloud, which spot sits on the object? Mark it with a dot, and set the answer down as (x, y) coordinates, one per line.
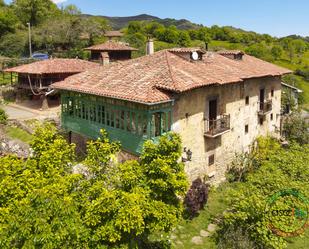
(59, 1)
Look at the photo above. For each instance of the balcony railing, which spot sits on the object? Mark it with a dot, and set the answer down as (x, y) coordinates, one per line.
(265, 107)
(217, 127)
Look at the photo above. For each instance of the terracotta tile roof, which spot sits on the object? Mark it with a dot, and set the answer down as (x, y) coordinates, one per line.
(157, 77)
(186, 50)
(111, 46)
(113, 33)
(54, 66)
(230, 52)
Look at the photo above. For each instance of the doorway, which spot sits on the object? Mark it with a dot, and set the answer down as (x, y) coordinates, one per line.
(262, 99)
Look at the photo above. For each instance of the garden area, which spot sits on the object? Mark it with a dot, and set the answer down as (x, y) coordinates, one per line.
(87, 202)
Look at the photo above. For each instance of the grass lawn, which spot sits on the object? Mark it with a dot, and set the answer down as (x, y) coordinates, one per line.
(217, 202)
(17, 133)
(299, 242)
(187, 229)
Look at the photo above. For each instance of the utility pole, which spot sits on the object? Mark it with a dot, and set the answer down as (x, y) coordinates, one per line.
(30, 47)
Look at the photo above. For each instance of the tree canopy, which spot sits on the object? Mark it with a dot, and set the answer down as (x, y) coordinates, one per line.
(102, 203)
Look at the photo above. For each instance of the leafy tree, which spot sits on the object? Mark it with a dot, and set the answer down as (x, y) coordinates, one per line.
(8, 20)
(134, 27)
(14, 44)
(184, 39)
(109, 205)
(34, 11)
(258, 50)
(151, 188)
(276, 52)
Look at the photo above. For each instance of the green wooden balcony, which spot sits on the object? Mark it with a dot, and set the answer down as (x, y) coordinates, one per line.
(129, 123)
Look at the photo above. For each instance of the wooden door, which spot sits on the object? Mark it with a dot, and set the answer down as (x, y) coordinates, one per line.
(212, 115)
(262, 99)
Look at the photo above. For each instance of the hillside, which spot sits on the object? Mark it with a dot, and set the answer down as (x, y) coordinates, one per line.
(121, 22)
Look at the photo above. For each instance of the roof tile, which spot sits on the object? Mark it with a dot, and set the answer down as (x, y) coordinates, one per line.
(157, 77)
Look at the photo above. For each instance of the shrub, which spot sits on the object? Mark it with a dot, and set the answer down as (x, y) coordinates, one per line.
(236, 237)
(296, 128)
(3, 117)
(196, 197)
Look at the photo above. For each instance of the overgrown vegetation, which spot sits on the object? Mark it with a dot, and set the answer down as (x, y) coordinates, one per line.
(18, 133)
(279, 169)
(108, 205)
(3, 117)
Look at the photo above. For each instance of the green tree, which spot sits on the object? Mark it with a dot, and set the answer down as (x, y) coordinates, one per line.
(134, 27)
(34, 11)
(8, 21)
(109, 204)
(14, 44)
(276, 52)
(184, 39)
(151, 188)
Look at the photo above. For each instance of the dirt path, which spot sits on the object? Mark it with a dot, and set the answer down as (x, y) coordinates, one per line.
(20, 112)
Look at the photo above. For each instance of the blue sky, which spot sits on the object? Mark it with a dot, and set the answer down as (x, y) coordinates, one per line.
(275, 17)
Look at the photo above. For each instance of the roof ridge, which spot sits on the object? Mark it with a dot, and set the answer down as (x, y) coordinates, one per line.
(170, 69)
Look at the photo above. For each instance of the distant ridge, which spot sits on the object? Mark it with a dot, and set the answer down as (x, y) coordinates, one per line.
(121, 22)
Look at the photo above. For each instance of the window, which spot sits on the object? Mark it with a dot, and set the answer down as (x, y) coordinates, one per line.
(272, 92)
(247, 100)
(211, 160)
(261, 121)
(246, 129)
(271, 117)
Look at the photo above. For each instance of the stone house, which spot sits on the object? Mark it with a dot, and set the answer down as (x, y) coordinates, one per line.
(218, 103)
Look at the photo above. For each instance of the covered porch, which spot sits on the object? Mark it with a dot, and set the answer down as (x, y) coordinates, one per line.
(129, 123)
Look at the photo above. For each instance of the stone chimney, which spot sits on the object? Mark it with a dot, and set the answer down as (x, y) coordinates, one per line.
(149, 47)
(105, 58)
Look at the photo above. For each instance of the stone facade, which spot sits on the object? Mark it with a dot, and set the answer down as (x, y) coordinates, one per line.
(191, 109)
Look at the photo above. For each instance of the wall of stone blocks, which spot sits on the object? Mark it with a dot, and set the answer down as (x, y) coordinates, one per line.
(191, 108)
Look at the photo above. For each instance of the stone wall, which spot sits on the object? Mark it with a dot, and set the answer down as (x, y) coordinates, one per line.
(192, 107)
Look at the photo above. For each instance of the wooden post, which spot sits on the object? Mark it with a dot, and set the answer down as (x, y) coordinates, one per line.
(44, 102)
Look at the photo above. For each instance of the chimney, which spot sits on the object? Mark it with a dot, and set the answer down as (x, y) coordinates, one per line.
(105, 58)
(149, 47)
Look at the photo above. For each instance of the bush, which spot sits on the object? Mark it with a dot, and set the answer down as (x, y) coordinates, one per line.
(296, 128)
(3, 117)
(242, 164)
(196, 197)
(236, 237)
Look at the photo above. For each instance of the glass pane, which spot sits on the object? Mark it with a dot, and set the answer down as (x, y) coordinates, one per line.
(169, 124)
(108, 121)
(99, 113)
(103, 114)
(128, 121)
(112, 116)
(145, 123)
(83, 111)
(117, 119)
(122, 116)
(133, 122)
